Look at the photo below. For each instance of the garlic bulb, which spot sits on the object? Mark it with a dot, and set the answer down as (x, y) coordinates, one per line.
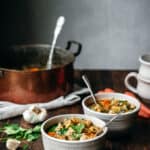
(34, 114)
(12, 144)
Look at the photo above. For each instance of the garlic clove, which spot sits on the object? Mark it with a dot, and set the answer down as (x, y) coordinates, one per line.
(27, 115)
(42, 115)
(12, 144)
(34, 114)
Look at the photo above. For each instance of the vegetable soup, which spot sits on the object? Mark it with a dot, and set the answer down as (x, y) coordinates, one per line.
(112, 106)
(74, 129)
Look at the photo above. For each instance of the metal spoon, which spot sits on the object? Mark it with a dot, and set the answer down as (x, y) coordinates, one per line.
(85, 79)
(59, 25)
(112, 119)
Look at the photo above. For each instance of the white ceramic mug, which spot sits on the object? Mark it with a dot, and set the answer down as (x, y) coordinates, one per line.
(142, 88)
(144, 69)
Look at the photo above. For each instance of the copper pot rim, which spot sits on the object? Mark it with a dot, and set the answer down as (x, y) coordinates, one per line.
(37, 45)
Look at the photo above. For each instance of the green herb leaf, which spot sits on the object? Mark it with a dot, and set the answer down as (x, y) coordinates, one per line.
(11, 129)
(25, 147)
(78, 128)
(52, 128)
(37, 128)
(76, 136)
(32, 137)
(27, 133)
(16, 132)
(62, 131)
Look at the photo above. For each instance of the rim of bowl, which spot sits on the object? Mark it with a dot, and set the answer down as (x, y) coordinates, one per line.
(75, 115)
(106, 114)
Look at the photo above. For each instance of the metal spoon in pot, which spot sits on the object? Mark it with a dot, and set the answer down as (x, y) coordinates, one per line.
(85, 79)
(59, 25)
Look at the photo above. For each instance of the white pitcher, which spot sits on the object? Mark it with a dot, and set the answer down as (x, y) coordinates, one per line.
(142, 88)
(144, 69)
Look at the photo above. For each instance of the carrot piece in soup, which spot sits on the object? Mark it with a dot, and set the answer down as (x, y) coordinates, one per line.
(106, 103)
(33, 69)
(53, 134)
(109, 90)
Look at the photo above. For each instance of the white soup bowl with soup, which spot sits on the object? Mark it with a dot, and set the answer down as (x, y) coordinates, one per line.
(53, 143)
(124, 121)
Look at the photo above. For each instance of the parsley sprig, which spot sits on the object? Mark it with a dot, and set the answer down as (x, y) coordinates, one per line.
(15, 131)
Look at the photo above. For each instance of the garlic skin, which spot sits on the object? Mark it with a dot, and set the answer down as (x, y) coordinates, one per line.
(12, 144)
(34, 114)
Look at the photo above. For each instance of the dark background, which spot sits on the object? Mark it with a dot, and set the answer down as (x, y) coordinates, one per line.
(114, 33)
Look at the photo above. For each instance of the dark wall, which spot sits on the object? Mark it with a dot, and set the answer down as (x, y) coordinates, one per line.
(15, 22)
(28, 21)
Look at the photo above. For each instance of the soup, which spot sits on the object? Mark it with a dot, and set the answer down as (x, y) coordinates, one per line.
(112, 106)
(38, 68)
(74, 129)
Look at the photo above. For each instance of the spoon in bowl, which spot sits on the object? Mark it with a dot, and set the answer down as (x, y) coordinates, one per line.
(112, 119)
(85, 79)
(109, 122)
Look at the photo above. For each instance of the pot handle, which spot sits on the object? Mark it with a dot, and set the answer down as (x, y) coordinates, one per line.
(79, 47)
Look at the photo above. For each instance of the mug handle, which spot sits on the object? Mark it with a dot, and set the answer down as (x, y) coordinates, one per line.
(127, 83)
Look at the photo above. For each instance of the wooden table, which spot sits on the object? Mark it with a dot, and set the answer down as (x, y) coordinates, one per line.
(138, 139)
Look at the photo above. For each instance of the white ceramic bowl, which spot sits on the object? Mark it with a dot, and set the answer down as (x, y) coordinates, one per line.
(124, 121)
(51, 143)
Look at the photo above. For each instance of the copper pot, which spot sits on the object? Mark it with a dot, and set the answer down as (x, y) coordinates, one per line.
(29, 86)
